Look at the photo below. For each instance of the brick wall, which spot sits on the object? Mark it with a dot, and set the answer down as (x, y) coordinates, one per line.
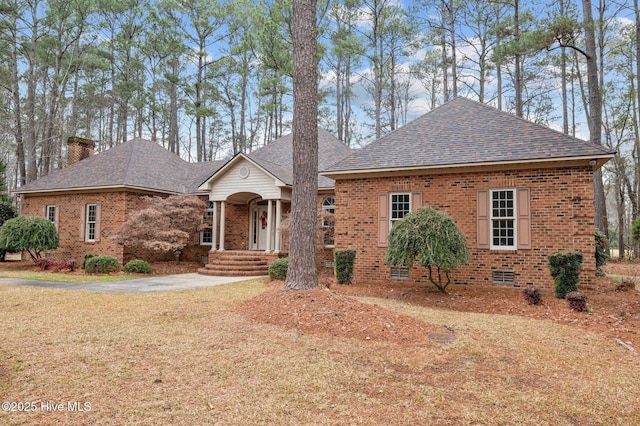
(70, 208)
(562, 218)
(115, 210)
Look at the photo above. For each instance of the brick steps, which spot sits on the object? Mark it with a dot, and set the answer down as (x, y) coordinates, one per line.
(238, 263)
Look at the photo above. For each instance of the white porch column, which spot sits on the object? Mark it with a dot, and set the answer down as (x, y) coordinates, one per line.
(278, 245)
(222, 216)
(214, 229)
(269, 223)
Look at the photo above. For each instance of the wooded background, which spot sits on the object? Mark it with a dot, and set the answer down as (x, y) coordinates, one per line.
(207, 78)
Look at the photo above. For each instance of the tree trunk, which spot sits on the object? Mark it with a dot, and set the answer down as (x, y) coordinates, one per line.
(518, 66)
(443, 46)
(563, 81)
(595, 112)
(302, 273)
(454, 65)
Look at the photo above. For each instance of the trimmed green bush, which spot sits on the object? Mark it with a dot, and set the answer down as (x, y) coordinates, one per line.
(344, 260)
(137, 266)
(278, 269)
(565, 270)
(86, 258)
(102, 265)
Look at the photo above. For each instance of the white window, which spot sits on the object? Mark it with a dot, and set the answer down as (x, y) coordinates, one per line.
(51, 213)
(210, 210)
(503, 219)
(90, 225)
(206, 237)
(328, 222)
(399, 207)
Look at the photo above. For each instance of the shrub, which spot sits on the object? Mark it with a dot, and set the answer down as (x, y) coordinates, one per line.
(46, 263)
(433, 239)
(278, 269)
(7, 211)
(532, 295)
(577, 301)
(102, 264)
(70, 265)
(344, 260)
(32, 234)
(137, 266)
(86, 258)
(565, 270)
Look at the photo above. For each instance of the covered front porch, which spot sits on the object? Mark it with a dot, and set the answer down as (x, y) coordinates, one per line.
(247, 204)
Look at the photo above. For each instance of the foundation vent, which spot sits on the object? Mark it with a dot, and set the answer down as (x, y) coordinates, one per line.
(503, 277)
(399, 272)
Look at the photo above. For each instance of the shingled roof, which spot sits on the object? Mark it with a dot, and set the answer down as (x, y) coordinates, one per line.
(138, 163)
(463, 132)
(277, 157)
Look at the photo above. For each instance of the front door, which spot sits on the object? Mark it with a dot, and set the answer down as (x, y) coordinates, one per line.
(259, 228)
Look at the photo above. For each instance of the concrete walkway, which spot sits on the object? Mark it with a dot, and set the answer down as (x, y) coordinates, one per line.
(138, 285)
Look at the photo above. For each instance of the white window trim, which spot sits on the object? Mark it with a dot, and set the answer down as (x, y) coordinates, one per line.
(326, 208)
(515, 220)
(391, 194)
(48, 209)
(87, 228)
(202, 243)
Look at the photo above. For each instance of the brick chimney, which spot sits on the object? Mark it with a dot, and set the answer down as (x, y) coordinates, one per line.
(79, 149)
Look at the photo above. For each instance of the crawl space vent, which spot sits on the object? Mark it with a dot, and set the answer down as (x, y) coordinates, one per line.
(399, 272)
(503, 277)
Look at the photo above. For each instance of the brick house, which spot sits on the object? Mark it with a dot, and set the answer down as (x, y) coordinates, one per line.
(92, 197)
(248, 195)
(518, 191)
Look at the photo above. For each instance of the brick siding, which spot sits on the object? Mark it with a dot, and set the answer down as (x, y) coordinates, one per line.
(562, 218)
(116, 206)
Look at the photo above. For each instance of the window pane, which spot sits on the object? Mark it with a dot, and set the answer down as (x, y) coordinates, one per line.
(51, 213)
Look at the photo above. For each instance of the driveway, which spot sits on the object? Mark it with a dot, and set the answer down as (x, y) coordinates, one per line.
(138, 285)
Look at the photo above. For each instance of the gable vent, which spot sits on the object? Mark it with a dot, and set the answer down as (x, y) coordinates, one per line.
(503, 277)
(399, 272)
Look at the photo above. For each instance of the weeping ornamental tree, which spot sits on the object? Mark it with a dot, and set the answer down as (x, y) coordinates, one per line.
(433, 240)
(32, 234)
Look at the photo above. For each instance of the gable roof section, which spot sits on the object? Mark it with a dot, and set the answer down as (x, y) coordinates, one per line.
(138, 163)
(463, 132)
(276, 158)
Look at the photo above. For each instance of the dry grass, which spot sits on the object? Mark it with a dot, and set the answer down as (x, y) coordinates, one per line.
(189, 358)
(64, 278)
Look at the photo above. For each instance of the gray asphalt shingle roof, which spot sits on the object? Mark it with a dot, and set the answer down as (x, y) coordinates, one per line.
(463, 131)
(277, 157)
(137, 163)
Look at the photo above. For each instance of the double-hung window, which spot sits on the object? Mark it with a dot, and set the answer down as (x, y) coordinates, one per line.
(503, 219)
(399, 206)
(51, 213)
(90, 222)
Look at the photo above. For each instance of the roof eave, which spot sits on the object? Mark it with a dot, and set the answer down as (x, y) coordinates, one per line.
(595, 161)
(107, 188)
